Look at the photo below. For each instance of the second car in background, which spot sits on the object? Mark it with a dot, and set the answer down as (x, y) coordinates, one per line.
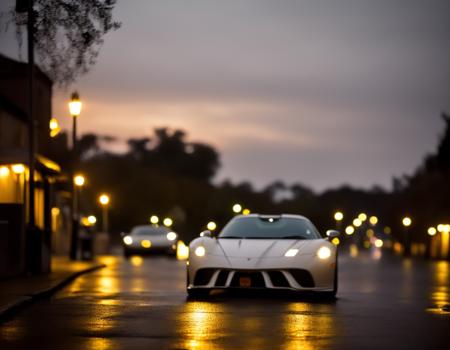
(145, 239)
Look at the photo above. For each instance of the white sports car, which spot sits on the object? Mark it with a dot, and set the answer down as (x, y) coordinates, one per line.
(266, 252)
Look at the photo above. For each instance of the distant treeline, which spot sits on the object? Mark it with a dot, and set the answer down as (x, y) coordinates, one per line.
(168, 176)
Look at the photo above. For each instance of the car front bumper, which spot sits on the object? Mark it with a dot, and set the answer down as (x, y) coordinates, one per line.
(306, 273)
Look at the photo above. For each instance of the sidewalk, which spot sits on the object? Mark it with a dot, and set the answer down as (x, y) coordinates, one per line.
(19, 291)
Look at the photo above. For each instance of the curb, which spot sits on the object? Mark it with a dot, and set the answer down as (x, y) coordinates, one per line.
(10, 309)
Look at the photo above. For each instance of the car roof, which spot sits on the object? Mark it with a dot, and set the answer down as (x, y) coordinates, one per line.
(292, 216)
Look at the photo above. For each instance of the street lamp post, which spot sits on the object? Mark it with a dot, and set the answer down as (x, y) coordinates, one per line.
(406, 222)
(104, 202)
(75, 110)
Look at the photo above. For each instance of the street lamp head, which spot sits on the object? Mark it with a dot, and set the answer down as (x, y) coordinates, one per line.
(338, 216)
(79, 180)
(103, 199)
(211, 226)
(349, 230)
(432, 231)
(357, 222)
(168, 222)
(237, 208)
(362, 217)
(92, 219)
(406, 221)
(54, 127)
(75, 105)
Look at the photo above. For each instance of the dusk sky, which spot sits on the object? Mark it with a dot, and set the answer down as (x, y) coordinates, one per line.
(323, 93)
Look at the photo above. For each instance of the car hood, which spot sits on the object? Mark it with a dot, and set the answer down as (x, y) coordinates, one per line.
(255, 248)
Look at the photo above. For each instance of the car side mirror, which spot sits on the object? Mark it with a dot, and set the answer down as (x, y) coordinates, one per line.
(332, 234)
(206, 233)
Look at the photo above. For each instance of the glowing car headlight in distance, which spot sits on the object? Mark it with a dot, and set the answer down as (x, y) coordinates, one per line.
(324, 253)
(291, 252)
(200, 251)
(171, 236)
(127, 240)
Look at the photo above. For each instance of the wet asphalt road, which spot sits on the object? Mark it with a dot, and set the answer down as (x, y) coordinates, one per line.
(383, 303)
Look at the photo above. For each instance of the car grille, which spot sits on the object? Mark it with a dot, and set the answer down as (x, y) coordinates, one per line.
(278, 278)
(222, 278)
(203, 276)
(302, 277)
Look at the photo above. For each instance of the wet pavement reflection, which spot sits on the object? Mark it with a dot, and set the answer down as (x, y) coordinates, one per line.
(140, 303)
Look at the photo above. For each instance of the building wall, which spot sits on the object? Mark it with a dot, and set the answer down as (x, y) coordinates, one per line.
(13, 131)
(14, 87)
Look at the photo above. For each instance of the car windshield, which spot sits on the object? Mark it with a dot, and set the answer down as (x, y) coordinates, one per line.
(254, 227)
(148, 230)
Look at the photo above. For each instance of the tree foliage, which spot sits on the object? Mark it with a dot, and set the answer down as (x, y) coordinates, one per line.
(68, 34)
(163, 174)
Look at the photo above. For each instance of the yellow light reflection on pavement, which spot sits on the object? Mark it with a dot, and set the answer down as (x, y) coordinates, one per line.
(200, 324)
(440, 294)
(136, 260)
(301, 324)
(98, 343)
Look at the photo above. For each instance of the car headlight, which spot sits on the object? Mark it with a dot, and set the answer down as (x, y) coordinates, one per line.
(171, 236)
(291, 252)
(200, 251)
(127, 240)
(324, 253)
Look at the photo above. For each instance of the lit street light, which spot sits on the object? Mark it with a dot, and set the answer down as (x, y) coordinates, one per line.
(357, 222)
(154, 219)
(79, 180)
(54, 127)
(338, 217)
(104, 200)
(349, 230)
(168, 222)
(237, 208)
(75, 110)
(406, 222)
(92, 219)
(211, 226)
(362, 217)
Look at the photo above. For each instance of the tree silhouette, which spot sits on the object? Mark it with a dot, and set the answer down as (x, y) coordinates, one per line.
(68, 34)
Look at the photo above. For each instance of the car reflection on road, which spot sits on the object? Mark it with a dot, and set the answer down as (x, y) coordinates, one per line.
(272, 321)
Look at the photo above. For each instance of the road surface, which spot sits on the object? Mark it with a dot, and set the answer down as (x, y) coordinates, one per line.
(384, 302)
